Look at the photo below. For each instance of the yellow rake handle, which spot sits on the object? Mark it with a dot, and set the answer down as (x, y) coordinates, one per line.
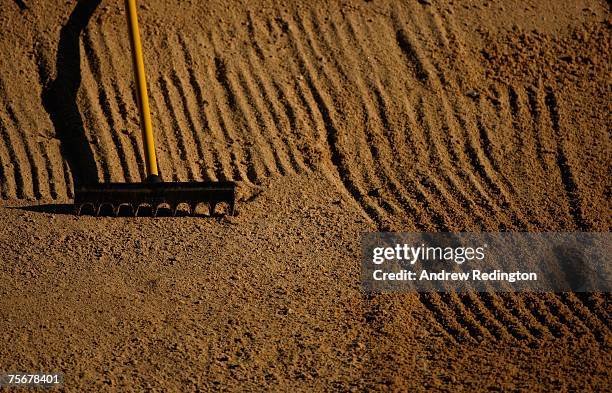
(141, 90)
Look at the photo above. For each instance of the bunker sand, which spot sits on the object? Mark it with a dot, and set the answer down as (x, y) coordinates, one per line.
(334, 119)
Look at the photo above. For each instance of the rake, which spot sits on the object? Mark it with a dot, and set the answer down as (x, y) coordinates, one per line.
(152, 194)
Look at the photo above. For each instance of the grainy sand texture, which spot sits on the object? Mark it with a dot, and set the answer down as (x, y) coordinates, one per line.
(334, 118)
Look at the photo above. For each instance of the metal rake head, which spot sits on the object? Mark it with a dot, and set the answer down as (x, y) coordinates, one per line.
(151, 199)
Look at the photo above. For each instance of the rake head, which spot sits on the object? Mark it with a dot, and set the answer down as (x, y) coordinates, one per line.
(151, 197)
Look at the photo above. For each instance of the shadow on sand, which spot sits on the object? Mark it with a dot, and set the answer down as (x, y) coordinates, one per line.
(50, 208)
(59, 98)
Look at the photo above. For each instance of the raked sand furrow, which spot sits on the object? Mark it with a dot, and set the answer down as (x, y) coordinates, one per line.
(242, 118)
(566, 171)
(7, 172)
(489, 147)
(571, 324)
(304, 104)
(485, 316)
(461, 311)
(32, 136)
(544, 144)
(193, 131)
(277, 122)
(433, 183)
(190, 92)
(247, 93)
(217, 161)
(476, 180)
(513, 325)
(95, 129)
(598, 306)
(360, 166)
(477, 145)
(239, 164)
(599, 330)
(35, 134)
(280, 114)
(492, 318)
(124, 105)
(384, 142)
(263, 161)
(537, 306)
(516, 305)
(51, 186)
(101, 71)
(441, 167)
(239, 119)
(323, 109)
(436, 79)
(175, 95)
(260, 109)
(103, 125)
(31, 181)
(62, 183)
(435, 121)
(363, 165)
(448, 35)
(523, 112)
(509, 108)
(571, 316)
(68, 179)
(320, 112)
(374, 211)
(177, 129)
(400, 201)
(18, 159)
(167, 155)
(439, 311)
(544, 110)
(492, 174)
(296, 123)
(11, 175)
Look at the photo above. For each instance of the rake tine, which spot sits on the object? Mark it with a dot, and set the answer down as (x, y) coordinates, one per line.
(83, 205)
(211, 208)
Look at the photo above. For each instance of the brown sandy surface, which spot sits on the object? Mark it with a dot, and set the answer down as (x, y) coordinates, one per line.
(334, 119)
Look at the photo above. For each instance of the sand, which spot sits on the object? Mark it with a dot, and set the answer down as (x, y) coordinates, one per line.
(334, 120)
